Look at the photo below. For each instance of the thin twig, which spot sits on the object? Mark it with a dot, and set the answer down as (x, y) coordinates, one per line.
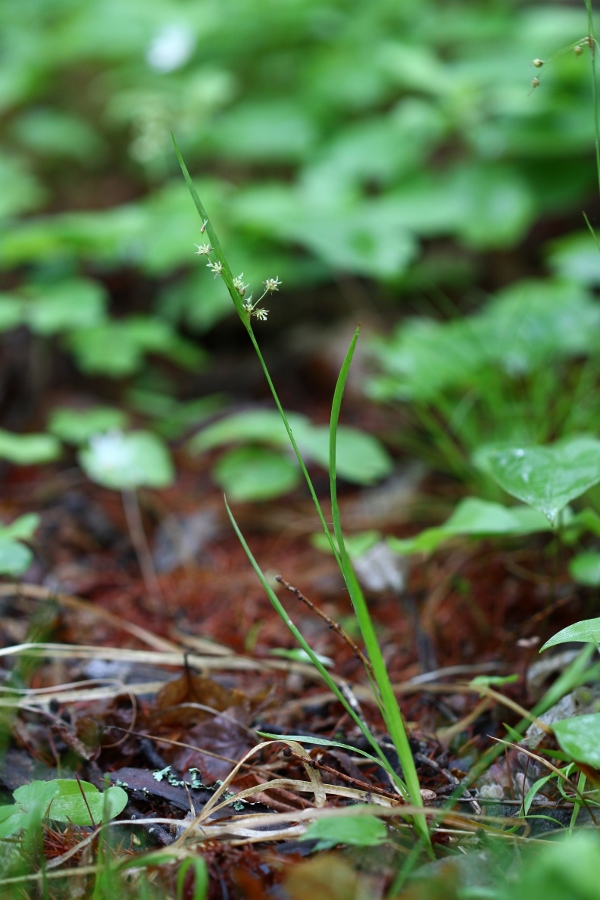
(330, 622)
(142, 550)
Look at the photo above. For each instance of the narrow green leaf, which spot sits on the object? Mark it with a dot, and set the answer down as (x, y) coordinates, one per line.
(587, 631)
(387, 701)
(200, 891)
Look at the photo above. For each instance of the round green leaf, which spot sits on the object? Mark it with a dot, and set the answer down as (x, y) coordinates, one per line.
(15, 558)
(255, 473)
(69, 806)
(580, 738)
(360, 831)
(127, 461)
(585, 568)
(62, 800)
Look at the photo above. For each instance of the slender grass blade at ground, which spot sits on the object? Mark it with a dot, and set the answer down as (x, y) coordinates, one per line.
(385, 694)
(279, 608)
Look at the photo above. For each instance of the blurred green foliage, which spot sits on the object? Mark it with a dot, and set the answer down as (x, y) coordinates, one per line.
(393, 141)
(331, 137)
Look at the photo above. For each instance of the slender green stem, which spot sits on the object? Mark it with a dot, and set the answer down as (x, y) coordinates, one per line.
(280, 609)
(388, 703)
(292, 440)
(243, 313)
(592, 49)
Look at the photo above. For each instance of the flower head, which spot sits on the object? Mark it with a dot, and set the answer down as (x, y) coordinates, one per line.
(215, 267)
(203, 249)
(239, 284)
(260, 314)
(272, 284)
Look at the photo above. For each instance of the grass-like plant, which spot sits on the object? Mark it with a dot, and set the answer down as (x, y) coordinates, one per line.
(247, 309)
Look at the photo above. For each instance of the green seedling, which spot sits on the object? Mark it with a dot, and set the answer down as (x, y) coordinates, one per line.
(62, 800)
(247, 310)
(124, 462)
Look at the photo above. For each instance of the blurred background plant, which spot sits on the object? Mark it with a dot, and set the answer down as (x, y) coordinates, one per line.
(395, 151)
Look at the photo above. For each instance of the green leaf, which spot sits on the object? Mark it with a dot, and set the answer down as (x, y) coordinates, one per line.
(580, 738)
(533, 790)
(361, 458)
(127, 461)
(12, 819)
(117, 348)
(359, 831)
(76, 426)
(356, 544)
(28, 449)
(22, 528)
(62, 800)
(575, 257)
(258, 425)
(255, 473)
(35, 793)
(547, 478)
(585, 568)
(200, 869)
(15, 558)
(493, 680)
(67, 306)
(69, 805)
(475, 518)
(586, 631)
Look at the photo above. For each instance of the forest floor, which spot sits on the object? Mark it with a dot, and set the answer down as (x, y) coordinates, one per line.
(135, 677)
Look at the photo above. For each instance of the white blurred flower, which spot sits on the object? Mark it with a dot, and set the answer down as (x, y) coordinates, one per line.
(171, 48)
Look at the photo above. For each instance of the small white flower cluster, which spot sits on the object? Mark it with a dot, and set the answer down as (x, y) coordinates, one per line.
(252, 308)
